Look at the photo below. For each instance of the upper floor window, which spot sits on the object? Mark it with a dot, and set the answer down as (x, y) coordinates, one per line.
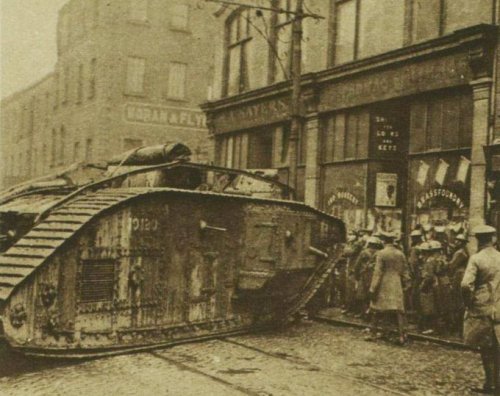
(179, 17)
(238, 38)
(135, 75)
(362, 28)
(283, 40)
(138, 10)
(177, 80)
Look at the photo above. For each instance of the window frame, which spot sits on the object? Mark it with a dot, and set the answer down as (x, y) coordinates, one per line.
(128, 90)
(277, 27)
(170, 95)
(243, 83)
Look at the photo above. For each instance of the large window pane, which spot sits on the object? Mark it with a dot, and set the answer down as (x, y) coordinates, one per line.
(233, 86)
(463, 13)
(346, 30)
(381, 26)
(426, 19)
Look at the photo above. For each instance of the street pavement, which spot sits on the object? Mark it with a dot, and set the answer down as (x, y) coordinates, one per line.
(309, 358)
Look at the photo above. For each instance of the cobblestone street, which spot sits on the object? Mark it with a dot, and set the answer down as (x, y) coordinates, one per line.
(309, 358)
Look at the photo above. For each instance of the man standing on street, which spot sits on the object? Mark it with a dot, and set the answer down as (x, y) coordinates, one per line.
(480, 289)
(389, 276)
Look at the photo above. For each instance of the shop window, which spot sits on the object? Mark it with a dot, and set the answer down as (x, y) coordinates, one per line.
(177, 80)
(232, 151)
(463, 13)
(135, 75)
(138, 10)
(260, 150)
(441, 123)
(345, 136)
(179, 17)
(238, 33)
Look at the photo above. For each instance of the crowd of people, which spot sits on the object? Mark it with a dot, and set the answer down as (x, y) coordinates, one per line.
(428, 274)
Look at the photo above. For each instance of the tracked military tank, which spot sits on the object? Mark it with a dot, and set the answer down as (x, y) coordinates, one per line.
(150, 250)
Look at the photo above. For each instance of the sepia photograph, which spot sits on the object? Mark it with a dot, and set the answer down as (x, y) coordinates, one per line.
(249, 197)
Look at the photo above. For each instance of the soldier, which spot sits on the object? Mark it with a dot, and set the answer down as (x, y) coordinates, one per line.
(363, 270)
(441, 236)
(350, 287)
(427, 284)
(414, 264)
(481, 295)
(390, 276)
(457, 269)
(442, 290)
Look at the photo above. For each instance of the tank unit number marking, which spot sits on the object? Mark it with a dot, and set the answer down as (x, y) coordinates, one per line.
(143, 224)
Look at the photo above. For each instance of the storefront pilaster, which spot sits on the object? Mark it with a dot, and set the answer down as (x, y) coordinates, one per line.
(312, 176)
(481, 93)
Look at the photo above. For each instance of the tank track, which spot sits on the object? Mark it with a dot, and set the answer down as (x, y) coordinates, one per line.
(45, 238)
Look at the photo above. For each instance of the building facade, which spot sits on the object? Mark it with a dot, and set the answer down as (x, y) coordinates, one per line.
(399, 100)
(129, 73)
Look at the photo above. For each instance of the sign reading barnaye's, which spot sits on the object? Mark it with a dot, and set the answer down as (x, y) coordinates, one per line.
(251, 115)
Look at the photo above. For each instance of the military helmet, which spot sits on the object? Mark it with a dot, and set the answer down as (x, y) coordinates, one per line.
(435, 245)
(416, 233)
(374, 241)
(461, 237)
(424, 247)
(483, 230)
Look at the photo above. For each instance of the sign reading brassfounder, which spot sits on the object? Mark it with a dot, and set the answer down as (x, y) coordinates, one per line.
(162, 115)
(244, 116)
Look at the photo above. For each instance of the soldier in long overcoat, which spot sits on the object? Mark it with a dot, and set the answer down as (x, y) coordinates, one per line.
(390, 278)
(363, 270)
(481, 294)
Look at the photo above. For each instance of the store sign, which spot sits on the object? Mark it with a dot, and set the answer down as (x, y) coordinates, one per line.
(386, 187)
(387, 135)
(402, 80)
(162, 115)
(440, 193)
(251, 115)
(342, 196)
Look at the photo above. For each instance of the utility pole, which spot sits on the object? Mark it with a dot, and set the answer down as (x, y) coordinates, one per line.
(295, 106)
(295, 114)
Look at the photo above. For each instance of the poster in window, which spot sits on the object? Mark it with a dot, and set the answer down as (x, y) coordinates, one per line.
(386, 189)
(423, 170)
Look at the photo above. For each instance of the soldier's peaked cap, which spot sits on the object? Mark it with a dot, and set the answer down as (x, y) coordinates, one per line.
(374, 241)
(461, 237)
(387, 235)
(416, 233)
(483, 230)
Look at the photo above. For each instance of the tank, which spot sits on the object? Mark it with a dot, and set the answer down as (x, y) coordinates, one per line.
(139, 254)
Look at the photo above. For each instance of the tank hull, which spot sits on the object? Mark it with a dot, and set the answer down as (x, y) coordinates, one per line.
(133, 269)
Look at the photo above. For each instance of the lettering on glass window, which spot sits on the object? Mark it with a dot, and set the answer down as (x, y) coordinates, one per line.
(177, 80)
(179, 17)
(135, 75)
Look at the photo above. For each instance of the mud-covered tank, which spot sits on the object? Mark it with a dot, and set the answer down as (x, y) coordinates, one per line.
(145, 255)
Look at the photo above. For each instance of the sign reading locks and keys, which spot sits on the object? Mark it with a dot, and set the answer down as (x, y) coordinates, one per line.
(386, 135)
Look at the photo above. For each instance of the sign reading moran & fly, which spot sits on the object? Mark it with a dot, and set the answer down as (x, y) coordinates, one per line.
(163, 115)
